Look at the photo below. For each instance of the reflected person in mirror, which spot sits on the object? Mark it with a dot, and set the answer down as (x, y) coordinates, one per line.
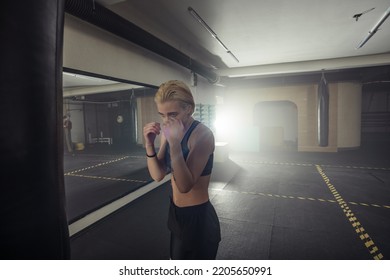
(67, 124)
(186, 151)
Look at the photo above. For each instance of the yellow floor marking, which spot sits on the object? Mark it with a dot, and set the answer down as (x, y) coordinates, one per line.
(364, 236)
(97, 165)
(311, 164)
(304, 198)
(106, 178)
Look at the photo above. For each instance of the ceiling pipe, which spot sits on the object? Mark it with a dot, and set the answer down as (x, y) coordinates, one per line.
(102, 17)
(374, 29)
(198, 18)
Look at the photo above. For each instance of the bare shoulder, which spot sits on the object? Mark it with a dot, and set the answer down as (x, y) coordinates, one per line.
(202, 135)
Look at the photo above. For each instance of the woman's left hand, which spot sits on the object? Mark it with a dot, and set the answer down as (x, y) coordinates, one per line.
(173, 130)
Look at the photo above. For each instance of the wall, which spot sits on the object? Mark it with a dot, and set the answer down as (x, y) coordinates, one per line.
(94, 50)
(349, 115)
(91, 49)
(244, 134)
(277, 122)
(375, 114)
(146, 112)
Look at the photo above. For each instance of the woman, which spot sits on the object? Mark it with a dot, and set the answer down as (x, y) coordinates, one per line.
(186, 150)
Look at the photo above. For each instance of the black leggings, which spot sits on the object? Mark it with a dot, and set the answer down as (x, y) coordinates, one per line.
(195, 232)
(204, 251)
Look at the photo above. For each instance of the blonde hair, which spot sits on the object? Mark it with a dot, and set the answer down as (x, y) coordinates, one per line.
(175, 90)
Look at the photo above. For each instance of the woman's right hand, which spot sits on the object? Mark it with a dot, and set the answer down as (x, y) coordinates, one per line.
(151, 130)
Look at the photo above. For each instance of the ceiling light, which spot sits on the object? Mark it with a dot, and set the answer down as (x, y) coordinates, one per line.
(212, 33)
(374, 29)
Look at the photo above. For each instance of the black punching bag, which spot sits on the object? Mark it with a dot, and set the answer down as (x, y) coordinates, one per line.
(33, 222)
(323, 112)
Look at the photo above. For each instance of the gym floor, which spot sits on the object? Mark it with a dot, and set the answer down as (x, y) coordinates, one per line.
(271, 205)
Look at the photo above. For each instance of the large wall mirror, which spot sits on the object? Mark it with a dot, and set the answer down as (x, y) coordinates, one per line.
(103, 149)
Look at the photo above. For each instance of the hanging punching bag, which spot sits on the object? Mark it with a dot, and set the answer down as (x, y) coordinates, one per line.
(32, 207)
(323, 112)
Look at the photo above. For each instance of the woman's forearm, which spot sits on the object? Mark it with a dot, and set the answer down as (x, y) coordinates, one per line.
(155, 165)
(181, 174)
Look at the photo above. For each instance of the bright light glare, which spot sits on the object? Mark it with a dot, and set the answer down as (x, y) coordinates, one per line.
(222, 125)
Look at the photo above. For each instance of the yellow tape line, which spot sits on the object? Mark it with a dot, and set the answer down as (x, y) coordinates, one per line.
(310, 164)
(97, 165)
(106, 178)
(304, 198)
(368, 242)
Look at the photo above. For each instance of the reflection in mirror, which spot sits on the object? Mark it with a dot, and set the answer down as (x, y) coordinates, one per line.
(103, 144)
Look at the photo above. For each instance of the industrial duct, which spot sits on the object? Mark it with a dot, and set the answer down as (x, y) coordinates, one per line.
(102, 17)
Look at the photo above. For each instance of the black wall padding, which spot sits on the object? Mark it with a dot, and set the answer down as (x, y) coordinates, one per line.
(32, 208)
(323, 113)
(102, 17)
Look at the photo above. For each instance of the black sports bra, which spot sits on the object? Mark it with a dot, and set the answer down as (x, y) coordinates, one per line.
(184, 147)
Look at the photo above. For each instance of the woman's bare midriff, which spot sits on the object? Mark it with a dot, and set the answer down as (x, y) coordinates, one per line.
(197, 195)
